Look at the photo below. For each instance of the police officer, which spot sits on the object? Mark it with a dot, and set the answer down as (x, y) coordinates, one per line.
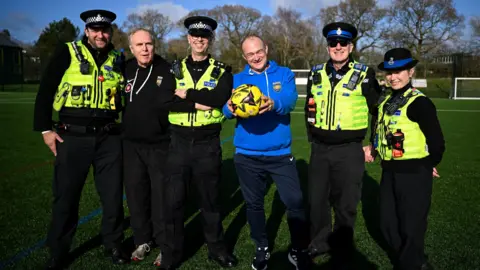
(340, 94)
(410, 143)
(195, 153)
(83, 82)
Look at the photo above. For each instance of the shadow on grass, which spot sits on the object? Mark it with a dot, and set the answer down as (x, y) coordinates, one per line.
(339, 241)
(371, 211)
(96, 242)
(231, 197)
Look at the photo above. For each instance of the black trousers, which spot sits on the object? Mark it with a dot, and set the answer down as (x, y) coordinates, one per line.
(144, 172)
(404, 205)
(72, 164)
(198, 163)
(335, 180)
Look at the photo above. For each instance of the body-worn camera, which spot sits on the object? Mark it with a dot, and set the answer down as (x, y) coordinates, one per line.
(84, 67)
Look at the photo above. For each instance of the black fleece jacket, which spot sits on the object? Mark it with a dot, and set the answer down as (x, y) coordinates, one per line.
(145, 119)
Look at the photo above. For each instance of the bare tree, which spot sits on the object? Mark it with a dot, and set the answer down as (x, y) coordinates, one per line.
(120, 40)
(475, 39)
(159, 24)
(365, 15)
(424, 24)
(475, 24)
(177, 49)
(235, 22)
(291, 38)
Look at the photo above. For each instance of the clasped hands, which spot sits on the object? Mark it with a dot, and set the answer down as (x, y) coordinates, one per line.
(266, 105)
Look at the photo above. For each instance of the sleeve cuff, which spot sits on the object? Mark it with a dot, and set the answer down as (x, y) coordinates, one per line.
(228, 114)
(46, 131)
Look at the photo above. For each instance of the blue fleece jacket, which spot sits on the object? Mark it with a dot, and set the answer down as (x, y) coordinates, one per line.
(268, 134)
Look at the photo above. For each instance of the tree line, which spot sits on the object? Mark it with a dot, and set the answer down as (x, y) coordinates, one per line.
(427, 27)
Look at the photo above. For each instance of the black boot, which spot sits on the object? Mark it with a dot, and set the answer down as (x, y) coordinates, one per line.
(224, 259)
(117, 255)
(55, 263)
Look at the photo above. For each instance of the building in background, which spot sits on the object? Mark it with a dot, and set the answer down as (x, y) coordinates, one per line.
(11, 60)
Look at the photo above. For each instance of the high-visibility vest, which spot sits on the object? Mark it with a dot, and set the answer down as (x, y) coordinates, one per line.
(95, 89)
(340, 108)
(198, 117)
(414, 141)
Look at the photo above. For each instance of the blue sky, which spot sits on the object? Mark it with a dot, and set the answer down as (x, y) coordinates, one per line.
(25, 19)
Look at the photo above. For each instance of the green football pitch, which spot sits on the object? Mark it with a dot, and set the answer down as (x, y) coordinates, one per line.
(453, 238)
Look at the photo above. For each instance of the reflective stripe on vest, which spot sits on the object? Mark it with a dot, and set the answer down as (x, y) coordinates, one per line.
(77, 90)
(414, 144)
(342, 108)
(198, 117)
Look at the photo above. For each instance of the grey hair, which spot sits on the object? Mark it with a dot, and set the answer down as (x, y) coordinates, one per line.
(135, 30)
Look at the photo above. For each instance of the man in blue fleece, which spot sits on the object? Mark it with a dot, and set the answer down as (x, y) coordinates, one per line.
(263, 147)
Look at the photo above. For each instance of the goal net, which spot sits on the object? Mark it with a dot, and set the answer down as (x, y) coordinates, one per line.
(466, 88)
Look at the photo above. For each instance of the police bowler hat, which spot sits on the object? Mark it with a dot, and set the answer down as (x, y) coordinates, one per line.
(340, 30)
(397, 59)
(98, 18)
(200, 26)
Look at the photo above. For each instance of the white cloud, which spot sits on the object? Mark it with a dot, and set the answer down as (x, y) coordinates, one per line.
(174, 11)
(307, 7)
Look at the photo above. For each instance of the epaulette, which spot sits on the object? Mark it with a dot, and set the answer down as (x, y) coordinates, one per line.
(415, 92)
(317, 67)
(360, 66)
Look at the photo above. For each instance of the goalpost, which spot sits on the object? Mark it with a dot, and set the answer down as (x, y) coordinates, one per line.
(466, 88)
(301, 79)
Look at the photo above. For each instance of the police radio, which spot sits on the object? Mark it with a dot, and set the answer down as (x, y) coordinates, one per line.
(395, 103)
(353, 80)
(215, 72)
(316, 79)
(177, 69)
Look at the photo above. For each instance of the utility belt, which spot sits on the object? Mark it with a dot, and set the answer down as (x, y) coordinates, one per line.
(111, 128)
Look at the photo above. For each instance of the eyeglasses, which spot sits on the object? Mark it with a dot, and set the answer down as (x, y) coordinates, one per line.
(333, 43)
(260, 52)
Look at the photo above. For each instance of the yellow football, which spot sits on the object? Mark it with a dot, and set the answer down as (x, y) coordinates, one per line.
(246, 100)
